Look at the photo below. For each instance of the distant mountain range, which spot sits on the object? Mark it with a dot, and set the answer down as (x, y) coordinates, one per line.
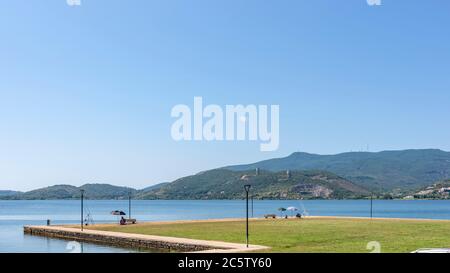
(300, 175)
(386, 170)
(227, 184)
(8, 193)
(155, 187)
(92, 191)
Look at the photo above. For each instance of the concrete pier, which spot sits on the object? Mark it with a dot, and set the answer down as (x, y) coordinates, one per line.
(120, 239)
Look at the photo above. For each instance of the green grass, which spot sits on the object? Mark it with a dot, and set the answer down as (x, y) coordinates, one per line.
(309, 235)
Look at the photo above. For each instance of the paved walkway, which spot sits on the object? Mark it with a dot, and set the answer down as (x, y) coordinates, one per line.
(216, 246)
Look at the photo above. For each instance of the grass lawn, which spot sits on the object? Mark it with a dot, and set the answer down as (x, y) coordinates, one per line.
(308, 235)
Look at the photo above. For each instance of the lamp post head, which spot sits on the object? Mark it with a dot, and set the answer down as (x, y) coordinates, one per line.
(82, 191)
(247, 188)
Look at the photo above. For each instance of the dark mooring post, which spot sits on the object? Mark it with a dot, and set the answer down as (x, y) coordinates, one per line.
(82, 210)
(247, 189)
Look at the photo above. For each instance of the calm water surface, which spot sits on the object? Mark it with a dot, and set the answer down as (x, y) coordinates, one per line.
(15, 214)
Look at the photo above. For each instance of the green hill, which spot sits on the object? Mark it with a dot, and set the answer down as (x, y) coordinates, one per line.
(155, 187)
(92, 191)
(8, 193)
(226, 184)
(384, 170)
(347, 175)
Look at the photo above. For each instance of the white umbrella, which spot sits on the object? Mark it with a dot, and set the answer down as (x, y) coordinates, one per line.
(292, 209)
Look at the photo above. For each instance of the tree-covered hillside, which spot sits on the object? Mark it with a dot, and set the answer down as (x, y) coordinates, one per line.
(386, 170)
(226, 184)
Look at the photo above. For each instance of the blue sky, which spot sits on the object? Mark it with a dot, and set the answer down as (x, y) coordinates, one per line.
(86, 92)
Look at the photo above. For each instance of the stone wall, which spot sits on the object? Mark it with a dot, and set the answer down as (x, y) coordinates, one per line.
(114, 240)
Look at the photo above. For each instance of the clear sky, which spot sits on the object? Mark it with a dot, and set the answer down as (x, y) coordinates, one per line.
(86, 91)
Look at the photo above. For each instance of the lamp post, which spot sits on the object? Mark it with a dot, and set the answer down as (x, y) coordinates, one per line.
(129, 205)
(82, 209)
(247, 189)
(252, 205)
(371, 205)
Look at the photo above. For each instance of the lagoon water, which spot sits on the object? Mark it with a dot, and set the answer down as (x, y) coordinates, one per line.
(15, 214)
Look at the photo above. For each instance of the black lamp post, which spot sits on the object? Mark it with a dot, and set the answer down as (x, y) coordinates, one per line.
(129, 205)
(252, 205)
(82, 209)
(247, 189)
(371, 206)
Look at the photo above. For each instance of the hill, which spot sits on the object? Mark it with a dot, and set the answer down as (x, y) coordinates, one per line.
(8, 193)
(383, 170)
(227, 184)
(92, 191)
(154, 187)
(346, 175)
(439, 190)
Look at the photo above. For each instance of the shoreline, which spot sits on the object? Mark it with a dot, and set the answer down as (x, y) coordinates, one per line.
(350, 199)
(317, 217)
